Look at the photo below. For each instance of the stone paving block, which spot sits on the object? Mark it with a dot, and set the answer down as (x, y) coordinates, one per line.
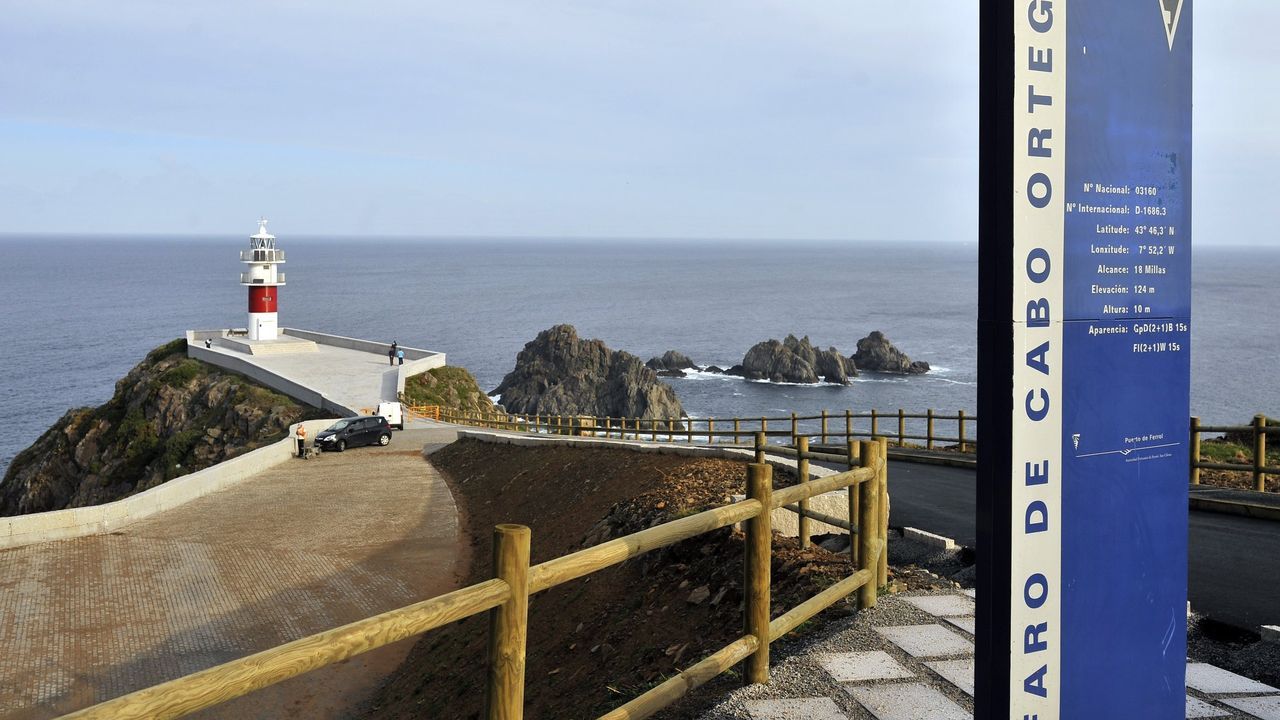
(862, 666)
(1197, 708)
(926, 641)
(943, 605)
(956, 672)
(1263, 708)
(966, 624)
(798, 709)
(1212, 680)
(907, 701)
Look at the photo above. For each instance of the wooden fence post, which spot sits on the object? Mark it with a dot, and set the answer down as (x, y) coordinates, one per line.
(1259, 452)
(711, 431)
(882, 507)
(802, 472)
(1195, 450)
(852, 456)
(868, 523)
(902, 428)
(689, 427)
(960, 430)
(848, 424)
(875, 423)
(736, 430)
(761, 440)
(653, 429)
(929, 429)
(508, 625)
(757, 561)
(795, 429)
(824, 427)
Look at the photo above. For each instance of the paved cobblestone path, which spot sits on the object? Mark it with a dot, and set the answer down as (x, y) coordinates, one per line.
(304, 547)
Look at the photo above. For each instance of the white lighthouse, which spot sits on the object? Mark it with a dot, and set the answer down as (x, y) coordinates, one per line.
(263, 278)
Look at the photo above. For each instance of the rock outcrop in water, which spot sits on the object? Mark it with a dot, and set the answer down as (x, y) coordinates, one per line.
(671, 360)
(795, 361)
(877, 354)
(171, 415)
(560, 374)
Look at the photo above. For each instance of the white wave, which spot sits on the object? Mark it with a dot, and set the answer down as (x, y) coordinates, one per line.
(496, 398)
(879, 379)
(957, 382)
(692, 374)
(793, 384)
(938, 370)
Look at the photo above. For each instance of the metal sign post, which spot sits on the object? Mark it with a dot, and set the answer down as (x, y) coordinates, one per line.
(1084, 358)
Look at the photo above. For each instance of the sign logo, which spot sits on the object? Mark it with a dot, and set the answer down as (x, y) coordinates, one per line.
(1170, 12)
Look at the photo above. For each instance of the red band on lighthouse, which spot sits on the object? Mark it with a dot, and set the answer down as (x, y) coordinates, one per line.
(263, 299)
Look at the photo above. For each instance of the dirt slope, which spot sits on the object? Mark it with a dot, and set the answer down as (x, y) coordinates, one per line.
(596, 642)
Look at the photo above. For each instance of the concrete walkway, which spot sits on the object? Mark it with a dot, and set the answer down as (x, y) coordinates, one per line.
(911, 658)
(305, 547)
(352, 378)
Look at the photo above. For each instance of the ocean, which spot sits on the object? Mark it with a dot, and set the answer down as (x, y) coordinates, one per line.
(83, 310)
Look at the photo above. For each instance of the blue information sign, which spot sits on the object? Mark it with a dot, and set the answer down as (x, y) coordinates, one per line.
(1085, 314)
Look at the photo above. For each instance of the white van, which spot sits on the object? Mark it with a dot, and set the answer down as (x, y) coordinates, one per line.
(393, 413)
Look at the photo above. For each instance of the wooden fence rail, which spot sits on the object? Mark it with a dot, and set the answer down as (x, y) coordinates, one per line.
(1259, 429)
(506, 598)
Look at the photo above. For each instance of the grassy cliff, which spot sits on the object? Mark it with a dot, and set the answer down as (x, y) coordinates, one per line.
(452, 388)
(171, 415)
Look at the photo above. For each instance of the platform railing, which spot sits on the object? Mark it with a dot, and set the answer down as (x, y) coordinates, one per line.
(506, 596)
(824, 428)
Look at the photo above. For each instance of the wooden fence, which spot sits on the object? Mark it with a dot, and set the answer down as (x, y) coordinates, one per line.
(421, 412)
(1258, 429)
(836, 429)
(824, 429)
(506, 596)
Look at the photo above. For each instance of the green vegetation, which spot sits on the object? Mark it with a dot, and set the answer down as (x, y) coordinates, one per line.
(1222, 450)
(183, 373)
(172, 347)
(452, 388)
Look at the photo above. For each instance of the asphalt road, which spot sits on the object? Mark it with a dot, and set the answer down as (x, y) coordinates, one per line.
(1234, 564)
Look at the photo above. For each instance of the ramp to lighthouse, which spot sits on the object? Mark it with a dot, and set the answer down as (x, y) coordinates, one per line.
(343, 375)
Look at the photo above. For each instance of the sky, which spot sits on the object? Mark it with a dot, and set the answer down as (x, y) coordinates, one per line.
(560, 118)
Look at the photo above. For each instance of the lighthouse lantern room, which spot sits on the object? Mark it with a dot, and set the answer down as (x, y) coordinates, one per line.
(263, 278)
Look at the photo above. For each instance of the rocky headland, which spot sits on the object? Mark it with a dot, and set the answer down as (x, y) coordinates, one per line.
(171, 415)
(877, 354)
(559, 373)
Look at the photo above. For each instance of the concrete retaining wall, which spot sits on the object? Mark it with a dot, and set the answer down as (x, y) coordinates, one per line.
(785, 522)
(77, 522)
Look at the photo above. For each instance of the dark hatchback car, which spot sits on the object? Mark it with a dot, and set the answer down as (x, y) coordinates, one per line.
(354, 432)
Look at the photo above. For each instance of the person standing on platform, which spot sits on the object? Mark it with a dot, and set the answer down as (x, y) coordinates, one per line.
(391, 355)
(302, 440)
(400, 356)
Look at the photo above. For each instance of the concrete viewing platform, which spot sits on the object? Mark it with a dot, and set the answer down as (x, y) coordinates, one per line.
(343, 375)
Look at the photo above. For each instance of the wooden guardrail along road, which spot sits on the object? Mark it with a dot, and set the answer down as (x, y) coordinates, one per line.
(1259, 429)
(825, 429)
(506, 597)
